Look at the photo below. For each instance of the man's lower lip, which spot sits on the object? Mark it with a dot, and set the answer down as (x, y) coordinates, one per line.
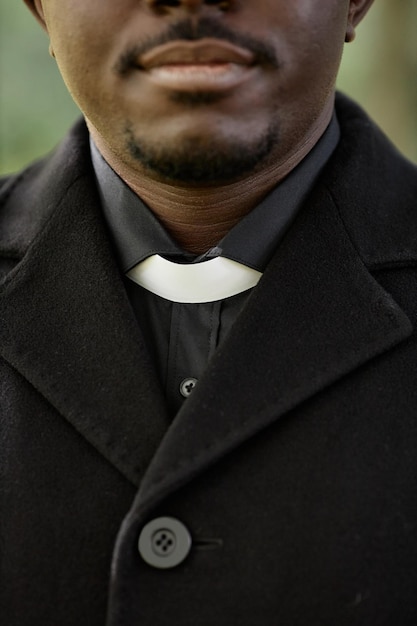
(207, 77)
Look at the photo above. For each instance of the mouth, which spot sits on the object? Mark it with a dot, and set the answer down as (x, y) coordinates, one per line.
(207, 64)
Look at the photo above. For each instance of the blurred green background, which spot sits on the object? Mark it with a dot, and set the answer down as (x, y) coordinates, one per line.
(379, 70)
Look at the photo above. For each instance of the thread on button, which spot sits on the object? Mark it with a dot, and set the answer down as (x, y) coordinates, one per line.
(163, 542)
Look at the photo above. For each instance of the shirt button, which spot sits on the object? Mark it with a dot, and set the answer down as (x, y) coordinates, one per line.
(164, 543)
(187, 386)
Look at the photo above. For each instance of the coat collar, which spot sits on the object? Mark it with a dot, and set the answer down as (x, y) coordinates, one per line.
(316, 315)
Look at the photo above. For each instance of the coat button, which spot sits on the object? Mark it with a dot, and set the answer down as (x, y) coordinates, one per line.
(164, 543)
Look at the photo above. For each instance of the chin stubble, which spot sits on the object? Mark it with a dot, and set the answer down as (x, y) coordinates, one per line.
(201, 161)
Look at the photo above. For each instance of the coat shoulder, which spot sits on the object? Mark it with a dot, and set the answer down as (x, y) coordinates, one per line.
(29, 197)
(375, 189)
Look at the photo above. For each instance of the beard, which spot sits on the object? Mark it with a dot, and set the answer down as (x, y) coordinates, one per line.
(202, 161)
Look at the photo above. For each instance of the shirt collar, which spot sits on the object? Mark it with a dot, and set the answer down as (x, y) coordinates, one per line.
(137, 233)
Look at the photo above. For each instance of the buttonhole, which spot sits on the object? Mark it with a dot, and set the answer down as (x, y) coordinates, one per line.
(207, 544)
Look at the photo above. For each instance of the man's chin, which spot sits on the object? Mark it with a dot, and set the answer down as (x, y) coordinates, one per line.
(200, 162)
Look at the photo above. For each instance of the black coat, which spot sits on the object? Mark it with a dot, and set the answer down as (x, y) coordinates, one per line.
(292, 464)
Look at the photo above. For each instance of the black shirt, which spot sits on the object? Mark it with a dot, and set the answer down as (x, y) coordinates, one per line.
(181, 338)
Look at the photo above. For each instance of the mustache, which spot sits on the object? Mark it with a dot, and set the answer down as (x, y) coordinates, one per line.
(189, 30)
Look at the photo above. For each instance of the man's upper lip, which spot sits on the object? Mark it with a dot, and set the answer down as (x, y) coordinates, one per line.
(195, 52)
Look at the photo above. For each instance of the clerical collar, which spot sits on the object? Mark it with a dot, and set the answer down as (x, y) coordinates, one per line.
(137, 234)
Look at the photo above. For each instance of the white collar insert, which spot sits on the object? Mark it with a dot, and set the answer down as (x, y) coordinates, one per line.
(206, 281)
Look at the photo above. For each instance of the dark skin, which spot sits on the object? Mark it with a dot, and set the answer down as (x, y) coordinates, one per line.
(201, 131)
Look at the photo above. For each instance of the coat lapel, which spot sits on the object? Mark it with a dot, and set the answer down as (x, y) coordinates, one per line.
(75, 338)
(316, 315)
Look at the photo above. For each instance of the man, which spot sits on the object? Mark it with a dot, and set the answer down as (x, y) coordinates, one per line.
(208, 355)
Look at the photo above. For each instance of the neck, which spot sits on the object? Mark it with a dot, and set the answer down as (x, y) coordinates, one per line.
(198, 217)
